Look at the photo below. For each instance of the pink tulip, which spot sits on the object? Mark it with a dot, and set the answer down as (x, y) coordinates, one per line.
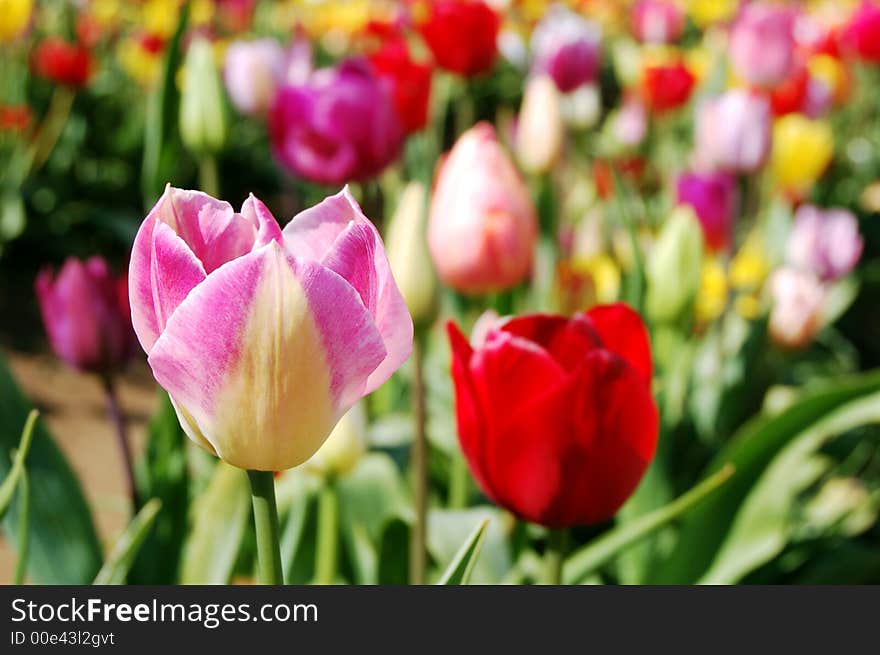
(762, 46)
(85, 314)
(566, 47)
(715, 199)
(733, 132)
(482, 228)
(796, 316)
(824, 242)
(264, 338)
(254, 70)
(657, 21)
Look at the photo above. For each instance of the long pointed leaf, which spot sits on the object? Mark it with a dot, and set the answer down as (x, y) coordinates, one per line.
(7, 489)
(588, 559)
(462, 565)
(24, 531)
(121, 558)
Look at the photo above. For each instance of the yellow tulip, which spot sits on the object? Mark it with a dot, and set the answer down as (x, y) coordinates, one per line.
(802, 150)
(15, 15)
(708, 12)
(712, 297)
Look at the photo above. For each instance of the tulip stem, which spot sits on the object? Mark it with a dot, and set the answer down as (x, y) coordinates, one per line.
(117, 417)
(419, 468)
(458, 482)
(209, 178)
(328, 531)
(554, 556)
(266, 524)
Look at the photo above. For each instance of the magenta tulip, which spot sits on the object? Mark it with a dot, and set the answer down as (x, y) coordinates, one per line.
(566, 47)
(86, 317)
(482, 228)
(733, 132)
(714, 198)
(264, 338)
(339, 126)
(762, 46)
(825, 242)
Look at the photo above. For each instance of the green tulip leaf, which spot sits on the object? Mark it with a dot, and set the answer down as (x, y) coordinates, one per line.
(24, 528)
(122, 557)
(221, 518)
(448, 529)
(63, 544)
(462, 565)
(762, 526)
(751, 450)
(586, 561)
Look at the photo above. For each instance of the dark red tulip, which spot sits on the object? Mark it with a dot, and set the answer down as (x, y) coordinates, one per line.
(86, 315)
(63, 62)
(462, 35)
(410, 82)
(555, 415)
(667, 87)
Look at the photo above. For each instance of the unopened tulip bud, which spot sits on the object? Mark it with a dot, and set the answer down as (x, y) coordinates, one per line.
(539, 132)
(675, 266)
(582, 107)
(344, 447)
(802, 150)
(798, 297)
(407, 249)
(203, 122)
(482, 228)
(733, 132)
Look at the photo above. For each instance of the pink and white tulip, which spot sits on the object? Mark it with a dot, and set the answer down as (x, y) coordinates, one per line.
(733, 132)
(796, 316)
(264, 338)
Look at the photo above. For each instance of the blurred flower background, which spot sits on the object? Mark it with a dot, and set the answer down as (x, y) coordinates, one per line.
(639, 242)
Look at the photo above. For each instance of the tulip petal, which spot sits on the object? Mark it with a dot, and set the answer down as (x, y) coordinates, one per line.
(573, 455)
(259, 215)
(265, 355)
(623, 332)
(507, 371)
(567, 341)
(210, 227)
(337, 234)
(162, 271)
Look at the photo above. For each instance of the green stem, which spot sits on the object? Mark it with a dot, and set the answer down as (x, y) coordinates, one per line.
(419, 468)
(554, 556)
(24, 513)
(621, 197)
(266, 523)
(458, 483)
(209, 178)
(328, 531)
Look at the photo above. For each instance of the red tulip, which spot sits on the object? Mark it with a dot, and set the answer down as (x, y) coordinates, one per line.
(15, 118)
(410, 82)
(462, 35)
(667, 87)
(63, 62)
(86, 315)
(863, 32)
(555, 415)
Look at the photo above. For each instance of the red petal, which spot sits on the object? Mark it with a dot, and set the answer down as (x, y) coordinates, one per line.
(623, 333)
(566, 340)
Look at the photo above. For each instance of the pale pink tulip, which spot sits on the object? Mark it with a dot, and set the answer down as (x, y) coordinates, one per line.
(733, 132)
(482, 228)
(825, 242)
(796, 316)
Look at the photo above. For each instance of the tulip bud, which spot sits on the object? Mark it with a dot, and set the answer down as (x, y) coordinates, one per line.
(675, 267)
(582, 108)
(762, 47)
(827, 243)
(86, 316)
(252, 73)
(733, 132)
(407, 249)
(714, 198)
(482, 228)
(802, 150)
(798, 297)
(539, 132)
(344, 447)
(15, 16)
(566, 47)
(657, 21)
(203, 123)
